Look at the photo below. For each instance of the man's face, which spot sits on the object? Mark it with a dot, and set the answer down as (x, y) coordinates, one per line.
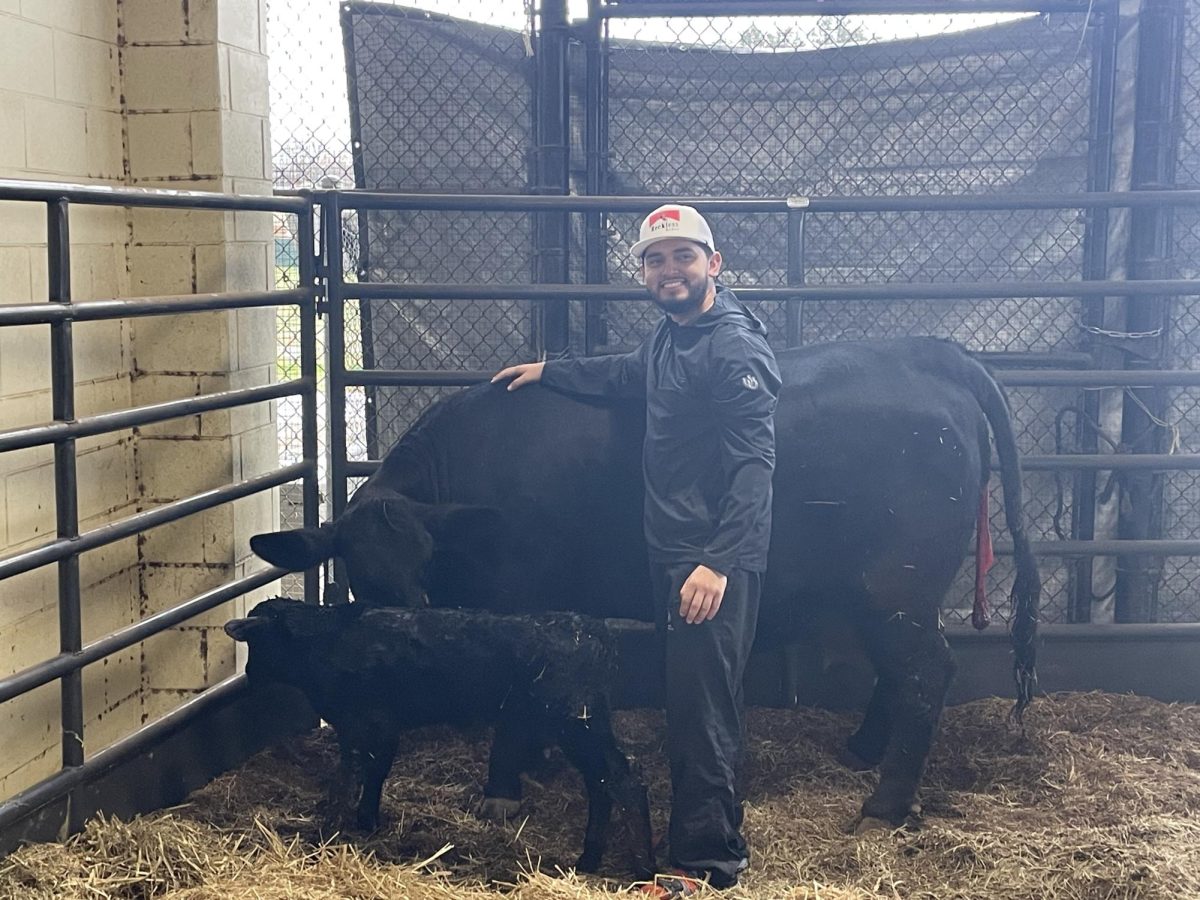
(677, 274)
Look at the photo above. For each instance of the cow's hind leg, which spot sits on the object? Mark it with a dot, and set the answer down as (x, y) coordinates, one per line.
(591, 746)
(914, 661)
(516, 746)
(865, 748)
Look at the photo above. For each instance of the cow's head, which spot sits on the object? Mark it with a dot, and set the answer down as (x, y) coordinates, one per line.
(395, 549)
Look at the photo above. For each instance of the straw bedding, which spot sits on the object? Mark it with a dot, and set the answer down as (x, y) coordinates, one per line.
(1099, 799)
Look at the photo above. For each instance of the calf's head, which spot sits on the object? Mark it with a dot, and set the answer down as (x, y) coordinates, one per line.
(279, 632)
(394, 548)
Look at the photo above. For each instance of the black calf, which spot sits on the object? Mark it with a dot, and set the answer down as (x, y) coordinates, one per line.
(372, 673)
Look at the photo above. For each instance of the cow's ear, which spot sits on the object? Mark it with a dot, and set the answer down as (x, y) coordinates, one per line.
(297, 549)
(474, 530)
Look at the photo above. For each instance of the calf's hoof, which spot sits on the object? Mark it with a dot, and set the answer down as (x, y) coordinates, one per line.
(589, 861)
(499, 809)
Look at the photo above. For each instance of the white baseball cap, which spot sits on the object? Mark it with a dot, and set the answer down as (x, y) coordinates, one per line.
(672, 220)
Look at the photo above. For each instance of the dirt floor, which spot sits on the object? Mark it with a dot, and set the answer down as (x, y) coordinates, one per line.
(1100, 798)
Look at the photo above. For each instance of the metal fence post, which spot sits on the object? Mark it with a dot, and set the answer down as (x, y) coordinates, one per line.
(306, 238)
(552, 228)
(1151, 245)
(1095, 268)
(595, 142)
(66, 484)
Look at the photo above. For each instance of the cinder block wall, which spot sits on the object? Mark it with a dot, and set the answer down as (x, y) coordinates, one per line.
(149, 93)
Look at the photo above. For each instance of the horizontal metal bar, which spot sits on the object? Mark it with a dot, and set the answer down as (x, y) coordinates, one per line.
(1010, 378)
(709, 9)
(1064, 360)
(948, 291)
(356, 199)
(33, 436)
(97, 310)
(57, 666)
(1108, 548)
(361, 468)
(99, 194)
(1099, 378)
(65, 781)
(160, 515)
(1085, 631)
(414, 377)
(1160, 462)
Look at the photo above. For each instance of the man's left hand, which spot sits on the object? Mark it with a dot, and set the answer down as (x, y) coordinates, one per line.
(701, 595)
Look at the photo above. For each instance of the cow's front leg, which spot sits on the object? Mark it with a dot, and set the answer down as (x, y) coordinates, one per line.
(516, 745)
(912, 656)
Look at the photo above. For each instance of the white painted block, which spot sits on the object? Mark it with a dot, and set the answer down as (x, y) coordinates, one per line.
(154, 21)
(106, 481)
(191, 343)
(167, 586)
(86, 71)
(24, 595)
(12, 135)
(242, 136)
(248, 92)
(105, 152)
(24, 359)
(208, 152)
(160, 144)
(101, 564)
(171, 78)
(29, 726)
(158, 271)
(15, 285)
(55, 138)
(99, 351)
(202, 538)
(26, 56)
(30, 507)
(172, 469)
(161, 387)
(238, 23)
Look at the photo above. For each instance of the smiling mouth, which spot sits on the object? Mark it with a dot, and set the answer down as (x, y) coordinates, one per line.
(672, 283)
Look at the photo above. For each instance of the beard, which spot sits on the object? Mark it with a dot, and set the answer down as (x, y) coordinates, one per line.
(682, 306)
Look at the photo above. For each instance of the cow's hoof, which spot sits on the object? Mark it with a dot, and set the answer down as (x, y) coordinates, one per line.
(589, 861)
(499, 809)
(869, 824)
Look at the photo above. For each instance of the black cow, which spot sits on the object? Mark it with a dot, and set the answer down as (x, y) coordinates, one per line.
(374, 672)
(532, 500)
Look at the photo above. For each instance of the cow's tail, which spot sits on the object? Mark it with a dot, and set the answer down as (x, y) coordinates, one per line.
(1027, 587)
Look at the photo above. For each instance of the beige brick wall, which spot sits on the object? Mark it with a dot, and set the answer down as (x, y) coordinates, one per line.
(149, 93)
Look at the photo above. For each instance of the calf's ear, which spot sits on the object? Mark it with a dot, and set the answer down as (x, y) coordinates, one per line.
(241, 629)
(473, 530)
(297, 549)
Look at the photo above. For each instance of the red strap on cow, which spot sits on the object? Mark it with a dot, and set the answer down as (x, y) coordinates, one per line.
(980, 615)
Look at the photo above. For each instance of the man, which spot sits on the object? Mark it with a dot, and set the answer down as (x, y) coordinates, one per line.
(710, 384)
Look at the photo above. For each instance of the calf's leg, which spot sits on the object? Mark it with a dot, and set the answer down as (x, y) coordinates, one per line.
(516, 745)
(590, 745)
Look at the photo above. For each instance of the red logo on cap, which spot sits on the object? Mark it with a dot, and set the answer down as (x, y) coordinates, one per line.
(664, 214)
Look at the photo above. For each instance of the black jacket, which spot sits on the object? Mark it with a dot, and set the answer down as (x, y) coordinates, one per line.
(710, 390)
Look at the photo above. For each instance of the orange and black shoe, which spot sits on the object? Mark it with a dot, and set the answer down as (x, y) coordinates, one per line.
(673, 884)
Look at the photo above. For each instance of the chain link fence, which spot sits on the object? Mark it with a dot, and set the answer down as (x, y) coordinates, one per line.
(766, 106)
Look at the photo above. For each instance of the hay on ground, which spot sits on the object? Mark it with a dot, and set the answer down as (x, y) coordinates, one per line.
(1097, 799)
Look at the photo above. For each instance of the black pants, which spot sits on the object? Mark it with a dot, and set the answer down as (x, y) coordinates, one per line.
(704, 667)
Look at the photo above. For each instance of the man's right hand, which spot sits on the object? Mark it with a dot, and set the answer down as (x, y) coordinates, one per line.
(526, 373)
